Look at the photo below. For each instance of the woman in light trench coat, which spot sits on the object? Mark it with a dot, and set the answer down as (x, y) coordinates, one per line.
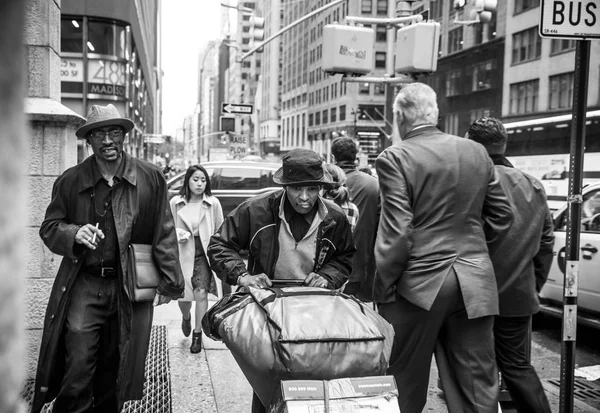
(197, 216)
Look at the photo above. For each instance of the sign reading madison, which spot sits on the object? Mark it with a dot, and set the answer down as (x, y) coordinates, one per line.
(578, 19)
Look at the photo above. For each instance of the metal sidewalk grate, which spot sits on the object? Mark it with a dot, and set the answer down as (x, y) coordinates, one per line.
(157, 388)
(583, 389)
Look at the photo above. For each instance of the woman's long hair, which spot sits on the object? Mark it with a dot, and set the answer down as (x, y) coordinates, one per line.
(185, 189)
(336, 191)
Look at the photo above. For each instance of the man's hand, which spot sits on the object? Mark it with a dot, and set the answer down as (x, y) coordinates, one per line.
(89, 236)
(160, 299)
(315, 280)
(256, 281)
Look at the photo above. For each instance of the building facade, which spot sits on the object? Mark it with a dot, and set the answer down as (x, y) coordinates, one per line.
(110, 53)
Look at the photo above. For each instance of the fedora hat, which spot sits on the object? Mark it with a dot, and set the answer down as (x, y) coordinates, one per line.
(101, 116)
(302, 167)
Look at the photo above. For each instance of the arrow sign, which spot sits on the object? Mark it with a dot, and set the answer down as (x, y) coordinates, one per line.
(231, 108)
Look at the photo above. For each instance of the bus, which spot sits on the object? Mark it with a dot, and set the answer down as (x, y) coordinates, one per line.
(541, 146)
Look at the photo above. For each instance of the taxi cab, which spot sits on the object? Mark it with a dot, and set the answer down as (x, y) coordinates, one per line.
(588, 299)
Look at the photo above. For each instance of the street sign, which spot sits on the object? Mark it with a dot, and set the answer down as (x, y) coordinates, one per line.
(237, 108)
(154, 138)
(238, 145)
(572, 19)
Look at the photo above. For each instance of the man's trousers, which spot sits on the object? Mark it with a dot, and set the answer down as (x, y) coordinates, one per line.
(91, 338)
(512, 355)
(468, 370)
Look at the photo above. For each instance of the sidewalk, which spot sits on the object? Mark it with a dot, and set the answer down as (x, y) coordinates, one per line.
(211, 381)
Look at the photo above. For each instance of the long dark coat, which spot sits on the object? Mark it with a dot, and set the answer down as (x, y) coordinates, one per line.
(142, 215)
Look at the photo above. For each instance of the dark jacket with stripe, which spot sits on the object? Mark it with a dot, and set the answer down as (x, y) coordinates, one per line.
(254, 226)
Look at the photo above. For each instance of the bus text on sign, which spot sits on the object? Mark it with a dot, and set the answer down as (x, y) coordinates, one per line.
(572, 19)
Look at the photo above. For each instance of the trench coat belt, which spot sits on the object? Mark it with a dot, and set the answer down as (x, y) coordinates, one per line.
(104, 272)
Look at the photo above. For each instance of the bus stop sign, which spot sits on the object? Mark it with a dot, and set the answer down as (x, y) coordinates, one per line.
(570, 19)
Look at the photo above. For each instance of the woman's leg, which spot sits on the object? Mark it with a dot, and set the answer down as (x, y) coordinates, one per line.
(185, 307)
(186, 322)
(201, 299)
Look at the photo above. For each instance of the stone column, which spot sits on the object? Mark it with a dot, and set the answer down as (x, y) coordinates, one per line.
(13, 217)
(51, 148)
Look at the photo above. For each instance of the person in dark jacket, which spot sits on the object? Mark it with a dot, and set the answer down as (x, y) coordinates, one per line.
(95, 339)
(364, 193)
(291, 234)
(522, 258)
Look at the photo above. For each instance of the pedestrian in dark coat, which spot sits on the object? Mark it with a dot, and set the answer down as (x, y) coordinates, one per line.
(290, 234)
(95, 339)
(435, 281)
(522, 258)
(364, 193)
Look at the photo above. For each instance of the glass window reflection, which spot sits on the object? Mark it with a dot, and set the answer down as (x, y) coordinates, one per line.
(71, 39)
(106, 38)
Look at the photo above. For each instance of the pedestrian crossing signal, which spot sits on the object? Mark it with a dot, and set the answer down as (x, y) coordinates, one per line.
(227, 124)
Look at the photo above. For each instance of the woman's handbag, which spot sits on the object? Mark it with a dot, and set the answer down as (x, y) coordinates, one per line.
(142, 274)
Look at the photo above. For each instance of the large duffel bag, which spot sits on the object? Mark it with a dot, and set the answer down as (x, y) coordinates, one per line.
(299, 333)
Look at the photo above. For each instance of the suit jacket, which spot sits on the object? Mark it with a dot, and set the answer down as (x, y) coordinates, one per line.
(437, 190)
(523, 255)
(364, 193)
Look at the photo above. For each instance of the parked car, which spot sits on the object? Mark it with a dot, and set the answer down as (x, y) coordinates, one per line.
(232, 182)
(588, 300)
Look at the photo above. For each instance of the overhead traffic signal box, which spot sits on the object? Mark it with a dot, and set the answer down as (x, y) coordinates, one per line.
(348, 49)
(417, 48)
(227, 124)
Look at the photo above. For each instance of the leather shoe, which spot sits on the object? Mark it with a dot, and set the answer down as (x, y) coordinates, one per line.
(186, 326)
(196, 346)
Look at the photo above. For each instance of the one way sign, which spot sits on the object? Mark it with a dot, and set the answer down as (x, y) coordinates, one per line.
(231, 108)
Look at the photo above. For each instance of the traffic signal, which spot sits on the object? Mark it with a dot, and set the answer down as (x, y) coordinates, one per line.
(227, 124)
(484, 8)
(257, 29)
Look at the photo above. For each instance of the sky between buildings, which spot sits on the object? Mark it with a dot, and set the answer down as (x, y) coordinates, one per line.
(187, 26)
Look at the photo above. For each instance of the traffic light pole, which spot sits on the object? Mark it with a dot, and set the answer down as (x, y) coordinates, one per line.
(288, 27)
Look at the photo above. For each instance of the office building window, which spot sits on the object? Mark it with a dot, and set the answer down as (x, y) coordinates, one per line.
(527, 45)
(317, 118)
(455, 40)
(382, 7)
(106, 38)
(479, 113)
(366, 6)
(453, 83)
(325, 116)
(333, 115)
(379, 89)
(482, 76)
(342, 112)
(380, 60)
(71, 36)
(310, 119)
(451, 124)
(478, 33)
(561, 91)
(380, 33)
(524, 5)
(562, 45)
(363, 88)
(435, 8)
(524, 97)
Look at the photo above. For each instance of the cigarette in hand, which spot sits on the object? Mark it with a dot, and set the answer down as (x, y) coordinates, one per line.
(94, 237)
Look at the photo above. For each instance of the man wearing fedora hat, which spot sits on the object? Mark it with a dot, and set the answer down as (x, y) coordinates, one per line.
(95, 339)
(291, 234)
